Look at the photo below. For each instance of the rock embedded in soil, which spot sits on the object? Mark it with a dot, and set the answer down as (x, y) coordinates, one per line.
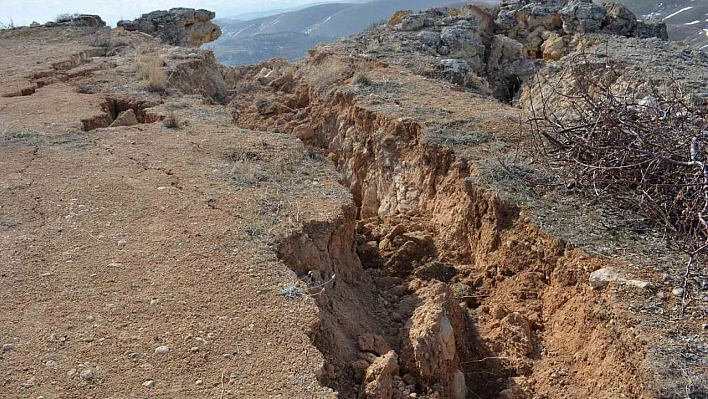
(8, 347)
(601, 277)
(378, 381)
(367, 357)
(126, 118)
(517, 331)
(359, 367)
(86, 374)
(373, 343)
(149, 384)
(162, 350)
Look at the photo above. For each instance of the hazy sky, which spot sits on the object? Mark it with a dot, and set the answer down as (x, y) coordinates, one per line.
(23, 12)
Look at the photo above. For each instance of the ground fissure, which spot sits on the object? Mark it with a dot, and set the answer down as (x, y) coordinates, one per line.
(196, 257)
(472, 298)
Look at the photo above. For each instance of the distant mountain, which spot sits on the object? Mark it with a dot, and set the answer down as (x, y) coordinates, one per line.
(291, 34)
(300, 21)
(247, 16)
(687, 20)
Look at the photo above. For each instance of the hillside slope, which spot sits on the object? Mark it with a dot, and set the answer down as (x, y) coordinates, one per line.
(295, 21)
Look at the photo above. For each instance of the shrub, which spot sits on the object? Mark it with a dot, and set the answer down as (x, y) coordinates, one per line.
(172, 121)
(327, 75)
(10, 25)
(361, 79)
(65, 17)
(644, 156)
(85, 89)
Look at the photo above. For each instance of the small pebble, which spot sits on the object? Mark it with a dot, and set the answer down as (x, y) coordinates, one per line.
(678, 292)
(51, 364)
(149, 384)
(162, 350)
(122, 243)
(40, 397)
(29, 383)
(199, 382)
(8, 347)
(194, 349)
(86, 374)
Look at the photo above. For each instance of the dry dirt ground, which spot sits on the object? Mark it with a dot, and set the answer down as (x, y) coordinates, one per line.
(239, 247)
(117, 241)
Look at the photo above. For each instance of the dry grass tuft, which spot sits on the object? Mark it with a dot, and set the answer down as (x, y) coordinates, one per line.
(360, 78)
(172, 121)
(328, 74)
(398, 16)
(153, 76)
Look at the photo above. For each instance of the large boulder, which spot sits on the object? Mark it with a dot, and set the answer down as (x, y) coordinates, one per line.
(185, 27)
(464, 40)
(378, 379)
(582, 17)
(651, 28)
(620, 20)
(88, 20)
(435, 340)
(81, 20)
(554, 47)
(515, 15)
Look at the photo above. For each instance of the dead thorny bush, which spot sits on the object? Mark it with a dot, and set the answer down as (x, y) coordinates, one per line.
(644, 156)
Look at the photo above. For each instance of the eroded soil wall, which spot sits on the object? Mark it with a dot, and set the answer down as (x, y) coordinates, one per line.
(473, 299)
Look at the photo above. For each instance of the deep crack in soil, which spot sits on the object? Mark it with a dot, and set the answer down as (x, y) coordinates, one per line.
(426, 283)
(474, 300)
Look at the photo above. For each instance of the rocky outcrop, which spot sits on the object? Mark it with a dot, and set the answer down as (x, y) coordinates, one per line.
(495, 50)
(651, 28)
(178, 27)
(198, 73)
(81, 20)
